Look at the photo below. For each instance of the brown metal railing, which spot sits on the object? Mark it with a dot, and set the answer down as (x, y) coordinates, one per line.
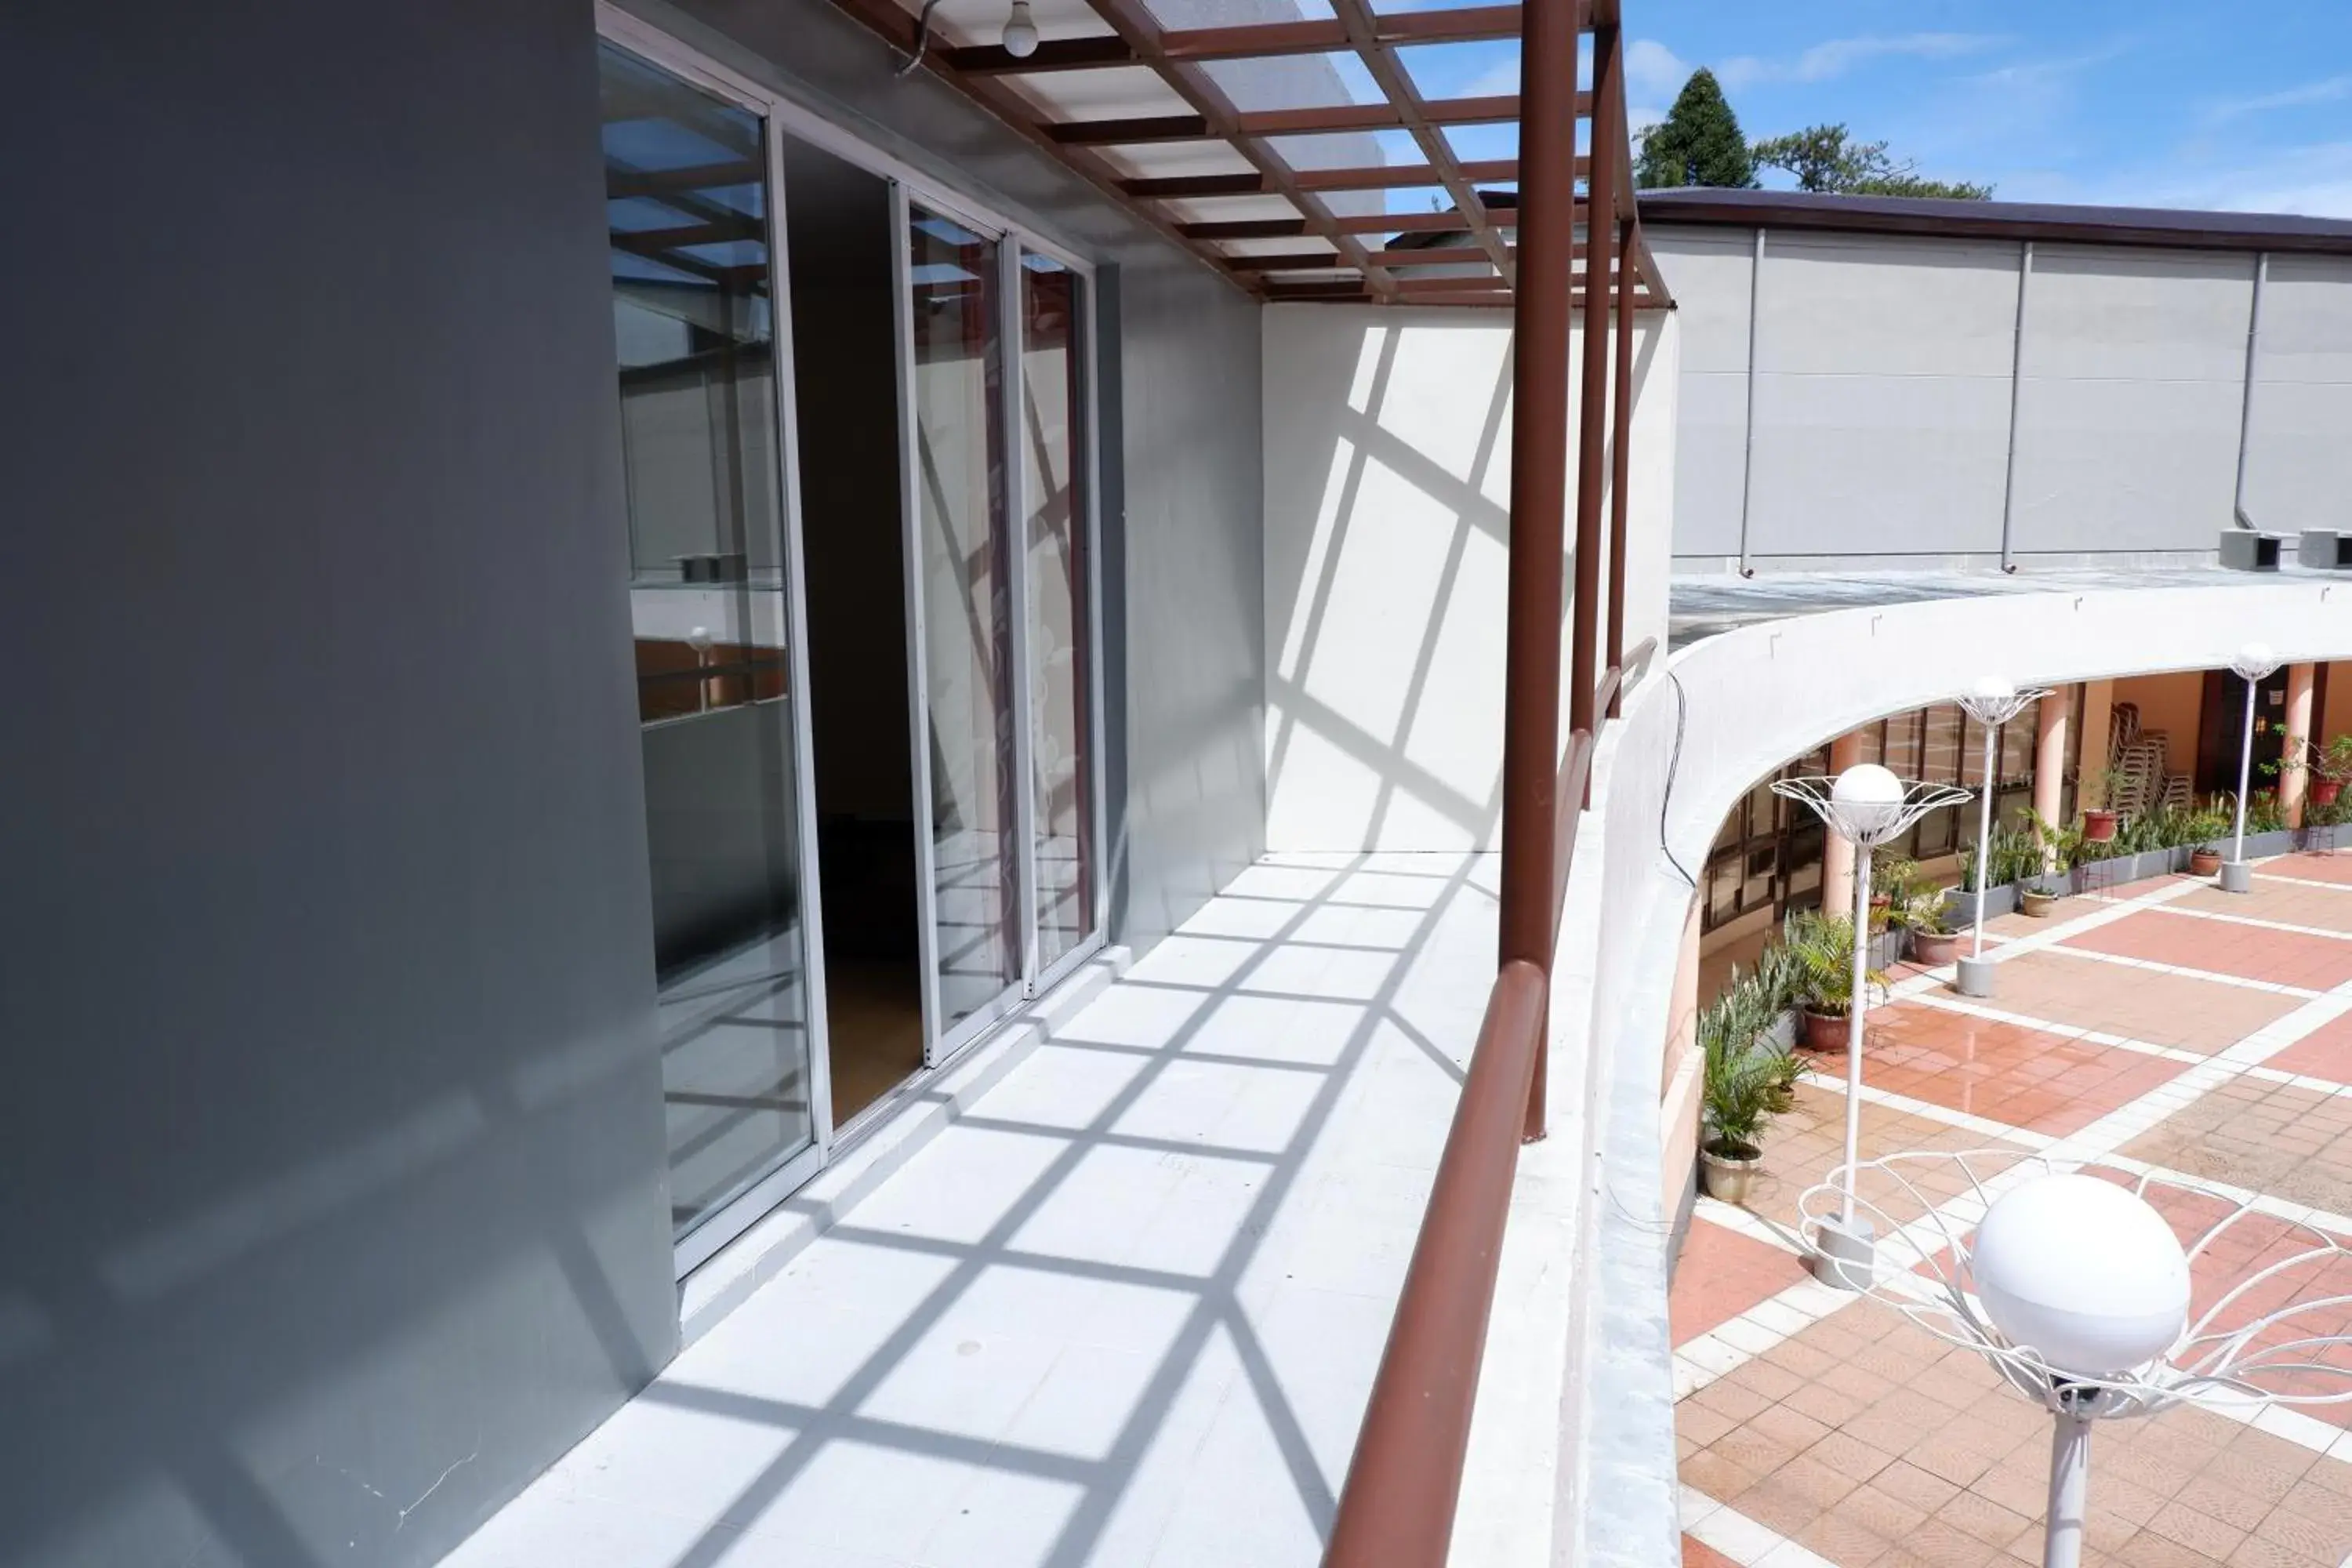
(1396, 1510)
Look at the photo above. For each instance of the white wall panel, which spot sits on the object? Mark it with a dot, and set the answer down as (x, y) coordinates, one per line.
(1708, 269)
(2133, 376)
(1882, 398)
(2299, 460)
(1387, 492)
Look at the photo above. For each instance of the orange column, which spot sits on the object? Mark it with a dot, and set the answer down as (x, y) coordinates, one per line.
(2050, 756)
(2098, 712)
(2292, 776)
(1837, 854)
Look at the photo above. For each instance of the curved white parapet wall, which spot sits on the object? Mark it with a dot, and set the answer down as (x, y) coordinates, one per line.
(1742, 704)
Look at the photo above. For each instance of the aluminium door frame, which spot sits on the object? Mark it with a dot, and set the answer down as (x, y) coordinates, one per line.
(739, 1213)
(1085, 456)
(942, 1040)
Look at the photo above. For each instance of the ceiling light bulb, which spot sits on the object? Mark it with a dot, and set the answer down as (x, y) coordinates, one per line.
(1869, 798)
(1020, 38)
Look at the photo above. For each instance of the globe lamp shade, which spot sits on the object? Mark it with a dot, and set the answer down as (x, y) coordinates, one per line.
(1991, 689)
(2082, 1272)
(2255, 662)
(1868, 798)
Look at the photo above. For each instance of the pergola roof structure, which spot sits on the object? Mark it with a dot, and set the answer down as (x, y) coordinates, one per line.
(1288, 155)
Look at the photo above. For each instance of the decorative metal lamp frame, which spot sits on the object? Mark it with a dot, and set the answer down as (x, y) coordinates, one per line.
(2228, 1356)
(1865, 826)
(1994, 704)
(2255, 663)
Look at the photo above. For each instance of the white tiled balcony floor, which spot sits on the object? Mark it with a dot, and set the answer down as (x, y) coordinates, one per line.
(1124, 1311)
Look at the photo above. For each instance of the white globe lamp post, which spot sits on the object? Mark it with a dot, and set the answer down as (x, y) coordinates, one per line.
(1991, 703)
(2076, 1289)
(2253, 665)
(1866, 805)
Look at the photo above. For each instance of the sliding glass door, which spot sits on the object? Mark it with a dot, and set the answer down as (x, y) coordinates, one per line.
(690, 206)
(1057, 606)
(964, 618)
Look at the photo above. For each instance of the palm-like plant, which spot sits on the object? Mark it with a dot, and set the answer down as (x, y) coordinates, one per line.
(1822, 947)
(1748, 1080)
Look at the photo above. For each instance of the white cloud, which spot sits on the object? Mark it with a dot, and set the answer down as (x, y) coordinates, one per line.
(2330, 90)
(1836, 56)
(1652, 70)
(2311, 181)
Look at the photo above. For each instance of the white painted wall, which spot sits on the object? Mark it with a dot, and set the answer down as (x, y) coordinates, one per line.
(1387, 490)
(1884, 386)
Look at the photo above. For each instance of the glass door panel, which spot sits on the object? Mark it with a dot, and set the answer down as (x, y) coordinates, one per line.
(965, 616)
(688, 206)
(1057, 610)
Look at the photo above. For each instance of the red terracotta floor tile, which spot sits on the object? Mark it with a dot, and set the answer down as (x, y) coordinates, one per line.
(2016, 1076)
(1698, 1554)
(2178, 1010)
(2313, 866)
(1722, 1274)
(2223, 947)
(2326, 1052)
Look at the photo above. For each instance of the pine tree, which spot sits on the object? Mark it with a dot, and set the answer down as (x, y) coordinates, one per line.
(1697, 143)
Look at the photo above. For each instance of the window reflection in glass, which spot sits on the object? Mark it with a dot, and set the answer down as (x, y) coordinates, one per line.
(1052, 386)
(967, 608)
(689, 212)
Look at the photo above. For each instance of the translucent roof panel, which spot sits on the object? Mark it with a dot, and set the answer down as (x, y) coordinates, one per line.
(1231, 209)
(1109, 93)
(1295, 82)
(1185, 15)
(981, 22)
(1346, 149)
(1483, 70)
(1475, 144)
(1166, 160)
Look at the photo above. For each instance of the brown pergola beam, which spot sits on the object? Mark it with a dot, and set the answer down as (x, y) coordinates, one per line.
(1328, 120)
(1362, 27)
(1116, 133)
(1176, 186)
(1439, 255)
(1246, 228)
(1133, 22)
(1286, 262)
(1468, 25)
(1395, 176)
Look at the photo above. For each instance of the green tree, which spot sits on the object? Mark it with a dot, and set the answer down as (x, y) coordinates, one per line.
(1827, 158)
(1697, 143)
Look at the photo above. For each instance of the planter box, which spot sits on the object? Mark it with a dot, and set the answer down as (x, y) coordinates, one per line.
(1886, 948)
(1960, 904)
(1783, 1032)
(2100, 875)
(2332, 836)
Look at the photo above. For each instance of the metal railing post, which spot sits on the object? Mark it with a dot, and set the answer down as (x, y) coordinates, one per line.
(1619, 459)
(1540, 322)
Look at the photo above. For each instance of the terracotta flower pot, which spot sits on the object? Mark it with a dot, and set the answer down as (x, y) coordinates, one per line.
(2204, 862)
(2325, 791)
(1932, 949)
(2037, 905)
(2099, 826)
(1729, 1176)
(1824, 1031)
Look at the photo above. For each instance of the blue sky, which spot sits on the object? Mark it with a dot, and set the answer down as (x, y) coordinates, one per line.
(2149, 103)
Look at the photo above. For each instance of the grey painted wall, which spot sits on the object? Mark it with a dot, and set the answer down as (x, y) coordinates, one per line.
(332, 1140)
(1182, 497)
(1884, 386)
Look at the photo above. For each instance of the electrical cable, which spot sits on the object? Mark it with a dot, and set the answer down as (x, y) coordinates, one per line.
(1673, 764)
(922, 38)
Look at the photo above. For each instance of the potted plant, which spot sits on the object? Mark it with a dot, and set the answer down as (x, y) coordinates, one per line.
(1823, 948)
(2040, 896)
(1934, 943)
(1747, 1081)
(2099, 822)
(2331, 767)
